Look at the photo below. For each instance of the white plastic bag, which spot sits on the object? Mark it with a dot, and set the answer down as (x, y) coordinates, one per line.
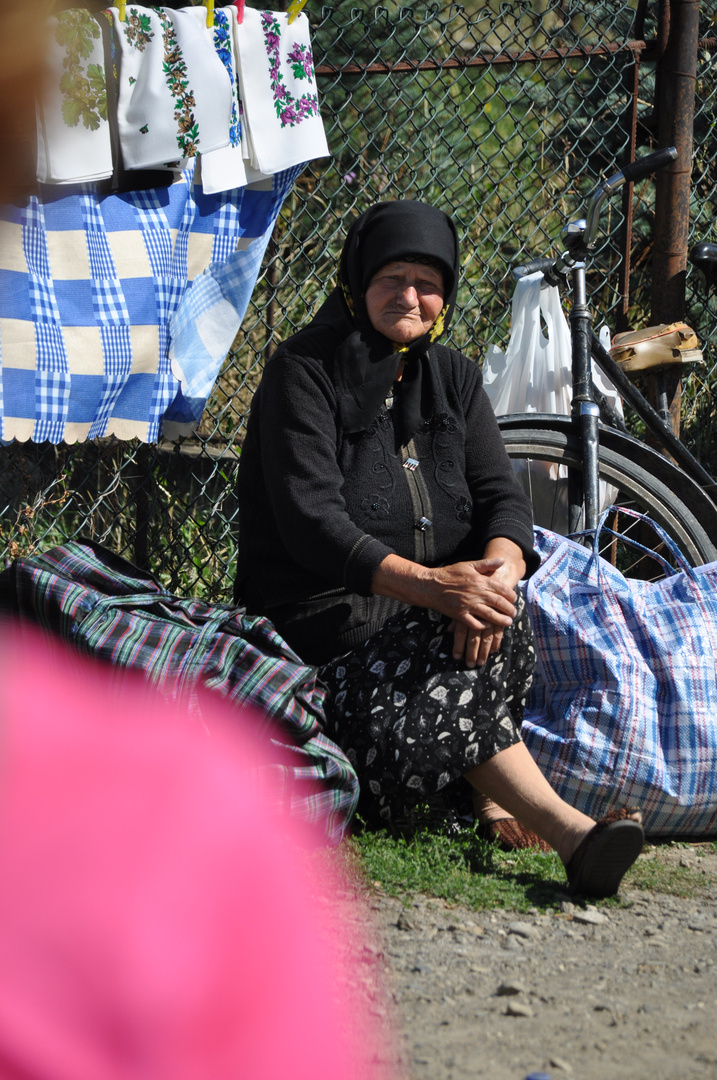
(534, 375)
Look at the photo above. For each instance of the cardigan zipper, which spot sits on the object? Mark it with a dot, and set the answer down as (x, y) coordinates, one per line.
(423, 542)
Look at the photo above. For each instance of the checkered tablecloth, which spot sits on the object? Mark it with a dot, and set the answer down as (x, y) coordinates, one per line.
(89, 286)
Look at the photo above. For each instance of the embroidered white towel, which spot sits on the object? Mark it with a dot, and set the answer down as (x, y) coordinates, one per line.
(174, 95)
(224, 169)
(282, 123)
(73, 131)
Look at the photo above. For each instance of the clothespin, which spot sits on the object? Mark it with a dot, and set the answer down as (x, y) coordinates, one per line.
(209, 5)
(122, 10)
(295, 8)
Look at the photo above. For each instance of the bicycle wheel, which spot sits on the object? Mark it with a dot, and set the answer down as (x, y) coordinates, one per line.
(641, 479)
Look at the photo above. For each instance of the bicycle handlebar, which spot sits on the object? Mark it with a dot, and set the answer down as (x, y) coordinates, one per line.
(584, 232)
(545, 266)
(637, 170)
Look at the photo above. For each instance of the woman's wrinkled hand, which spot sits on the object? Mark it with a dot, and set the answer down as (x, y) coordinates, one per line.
(487, 608)
(475, 646)
(473, 593)
(477, 595)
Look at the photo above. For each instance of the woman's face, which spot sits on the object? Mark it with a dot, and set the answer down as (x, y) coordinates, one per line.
(404, 299)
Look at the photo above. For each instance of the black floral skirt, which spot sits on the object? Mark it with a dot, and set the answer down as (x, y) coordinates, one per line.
(413, 721)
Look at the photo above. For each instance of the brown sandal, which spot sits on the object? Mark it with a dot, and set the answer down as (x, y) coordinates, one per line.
(511, 835)
(604, 856)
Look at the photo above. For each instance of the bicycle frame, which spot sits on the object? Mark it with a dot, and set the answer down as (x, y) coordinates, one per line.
(580, 237)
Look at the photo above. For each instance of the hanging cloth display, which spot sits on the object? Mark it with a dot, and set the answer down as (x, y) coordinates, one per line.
(282, 123)
(174, 96)
(209, 317)
(224, 169)
(124, 179)
(124, 282)
(73, 130)
(88, 286)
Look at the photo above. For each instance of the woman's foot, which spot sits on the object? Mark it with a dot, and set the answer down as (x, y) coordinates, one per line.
(605, 854)
(596, 855)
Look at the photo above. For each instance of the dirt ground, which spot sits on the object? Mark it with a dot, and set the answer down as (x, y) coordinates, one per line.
(585, 992)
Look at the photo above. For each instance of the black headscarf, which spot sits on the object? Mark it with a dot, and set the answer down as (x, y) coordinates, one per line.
(367, 362)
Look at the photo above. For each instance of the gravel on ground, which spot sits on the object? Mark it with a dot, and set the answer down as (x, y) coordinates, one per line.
(585, 992)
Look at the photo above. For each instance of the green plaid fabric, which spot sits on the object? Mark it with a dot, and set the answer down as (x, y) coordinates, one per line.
(109, 609)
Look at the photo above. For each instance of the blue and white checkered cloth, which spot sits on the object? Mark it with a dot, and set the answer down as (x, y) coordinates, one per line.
(118, 310)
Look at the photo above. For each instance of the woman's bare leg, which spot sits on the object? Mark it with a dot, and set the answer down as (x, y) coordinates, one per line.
(513, 781)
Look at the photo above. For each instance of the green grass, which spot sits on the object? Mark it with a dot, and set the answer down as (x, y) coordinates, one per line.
(665, 878)
(463, 869)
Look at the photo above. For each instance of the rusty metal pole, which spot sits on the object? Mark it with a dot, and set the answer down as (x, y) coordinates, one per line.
(631, 80)
(678, 38)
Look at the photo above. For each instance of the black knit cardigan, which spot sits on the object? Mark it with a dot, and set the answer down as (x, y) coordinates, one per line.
(320, 510)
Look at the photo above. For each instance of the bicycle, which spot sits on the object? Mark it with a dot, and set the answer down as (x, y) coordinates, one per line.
(593, 442)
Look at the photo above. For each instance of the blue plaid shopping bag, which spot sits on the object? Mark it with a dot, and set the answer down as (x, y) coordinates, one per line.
(623, 708)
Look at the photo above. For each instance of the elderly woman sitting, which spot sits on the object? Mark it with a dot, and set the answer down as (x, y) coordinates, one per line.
(383, 532)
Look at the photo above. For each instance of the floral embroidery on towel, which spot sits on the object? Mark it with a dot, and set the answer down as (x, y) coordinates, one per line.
(301, 62)
(290, 110)
(84, 92)
(222, 44)
(177, 78)
(138, 30)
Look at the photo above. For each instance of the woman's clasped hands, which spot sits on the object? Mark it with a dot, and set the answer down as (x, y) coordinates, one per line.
(478, 595)
(480, 599)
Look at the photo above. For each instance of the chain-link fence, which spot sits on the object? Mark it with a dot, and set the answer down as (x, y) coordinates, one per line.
(506, 114)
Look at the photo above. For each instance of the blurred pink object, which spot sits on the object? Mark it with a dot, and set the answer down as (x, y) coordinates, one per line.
(156, 918)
